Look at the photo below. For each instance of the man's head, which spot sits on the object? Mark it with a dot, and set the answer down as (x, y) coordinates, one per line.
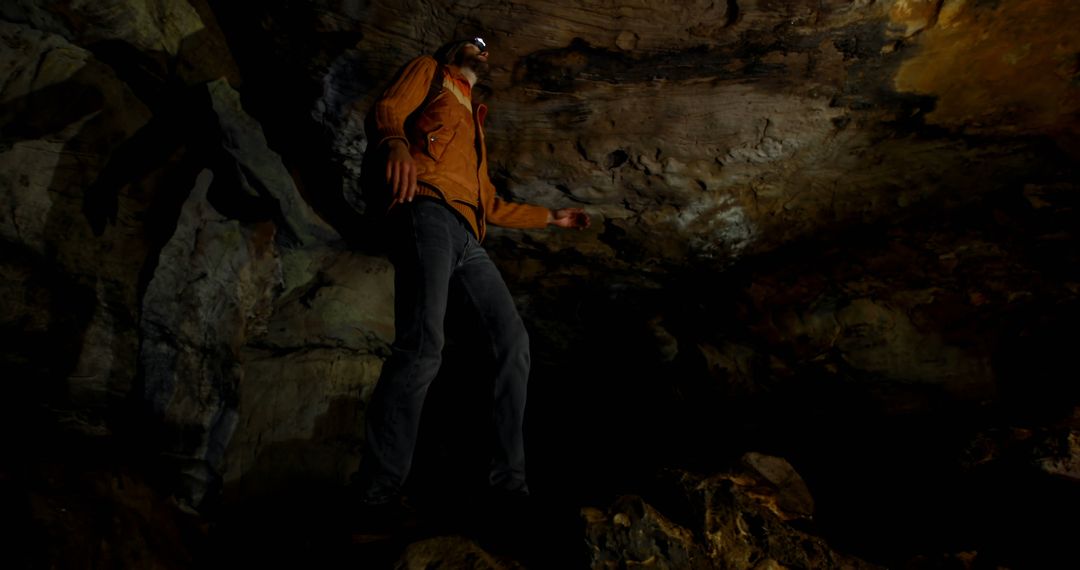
(468, 54)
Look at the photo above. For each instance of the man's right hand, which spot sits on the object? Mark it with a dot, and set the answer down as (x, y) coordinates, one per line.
(400, 172)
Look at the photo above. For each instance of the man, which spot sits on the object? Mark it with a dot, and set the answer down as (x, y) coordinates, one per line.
(442, 201)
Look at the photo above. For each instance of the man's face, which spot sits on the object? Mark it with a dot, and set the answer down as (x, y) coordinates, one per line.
(473, 57)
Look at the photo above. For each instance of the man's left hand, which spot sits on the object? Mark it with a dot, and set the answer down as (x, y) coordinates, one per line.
(569, 218)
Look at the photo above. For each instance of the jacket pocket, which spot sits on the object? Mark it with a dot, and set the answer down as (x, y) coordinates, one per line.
(436, 141)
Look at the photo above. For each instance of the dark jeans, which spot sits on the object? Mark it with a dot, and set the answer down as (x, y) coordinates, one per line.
(433, 250)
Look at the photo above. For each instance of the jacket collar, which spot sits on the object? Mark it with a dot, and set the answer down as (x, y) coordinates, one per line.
(459, 78)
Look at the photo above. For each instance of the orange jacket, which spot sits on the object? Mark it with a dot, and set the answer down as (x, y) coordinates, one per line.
(443, 143)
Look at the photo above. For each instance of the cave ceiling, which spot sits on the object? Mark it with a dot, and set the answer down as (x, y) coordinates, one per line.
(696, 133)
(700, 133)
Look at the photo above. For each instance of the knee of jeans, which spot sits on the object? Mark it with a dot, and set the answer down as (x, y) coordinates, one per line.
(427, 346)
(422, 365)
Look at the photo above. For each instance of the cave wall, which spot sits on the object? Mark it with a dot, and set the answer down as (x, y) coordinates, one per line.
(841, 202)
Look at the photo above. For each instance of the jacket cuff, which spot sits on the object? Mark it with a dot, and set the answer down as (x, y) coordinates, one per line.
(392, 136)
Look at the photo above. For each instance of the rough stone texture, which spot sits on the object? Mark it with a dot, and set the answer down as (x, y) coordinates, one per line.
(700, 136)
(1053, 449)
(809, 216)
(996, 72)
(63, 112)
(214, 292)
(451, 552)
(793, 499)
(307, 377)
(1061, 455)
(632, 533)
(149, 26)
(262, 173)
(99, 157)
(743, 523)
(213, 288)
(737, 519)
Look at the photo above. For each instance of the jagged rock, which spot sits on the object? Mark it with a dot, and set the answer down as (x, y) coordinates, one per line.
(1053, 448)
(743, 527)
(732, 365)
(150, 26)
(73, 298)
(1018, 86)
(739, 521)
(261, 171)
(728, 129)
(309, 375)
(451, 552)
(633, 533)
(793, 499)
(213, 287)
(881, 340)
(913, 16)
(1061, 455)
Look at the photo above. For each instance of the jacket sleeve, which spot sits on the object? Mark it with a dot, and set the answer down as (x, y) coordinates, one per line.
(499, 212)
(403, 97)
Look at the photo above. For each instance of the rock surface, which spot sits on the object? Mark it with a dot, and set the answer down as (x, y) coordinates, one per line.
(814, 223)
(737, 520)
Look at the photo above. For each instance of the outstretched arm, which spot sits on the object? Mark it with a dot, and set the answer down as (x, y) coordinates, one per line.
(518, 215)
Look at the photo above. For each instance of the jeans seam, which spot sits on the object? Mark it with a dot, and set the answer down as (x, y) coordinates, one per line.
(420, 342)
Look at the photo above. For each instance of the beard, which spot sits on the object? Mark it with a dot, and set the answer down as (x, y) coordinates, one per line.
(473, 62)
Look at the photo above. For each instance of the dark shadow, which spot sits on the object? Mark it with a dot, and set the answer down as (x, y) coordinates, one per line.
(151, 173)
(282, 87)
